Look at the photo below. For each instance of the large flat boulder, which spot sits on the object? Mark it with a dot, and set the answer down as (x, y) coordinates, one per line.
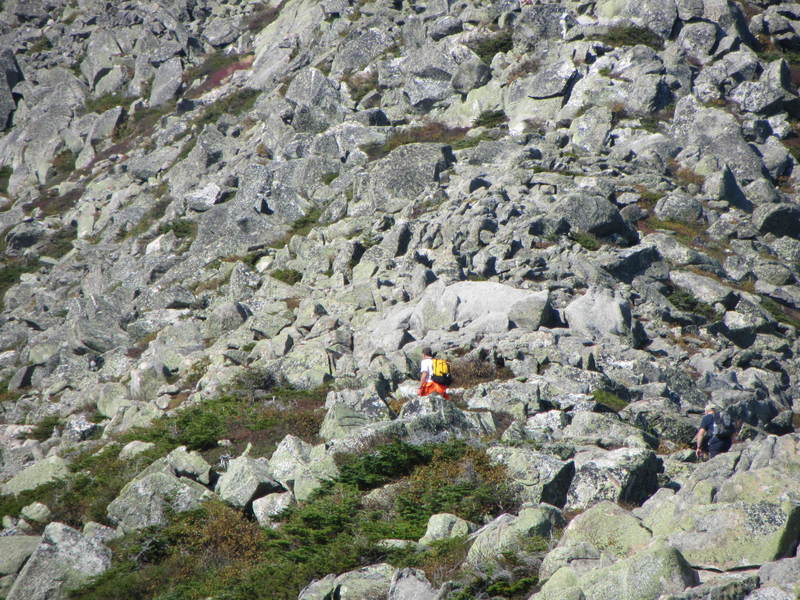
(63, 561)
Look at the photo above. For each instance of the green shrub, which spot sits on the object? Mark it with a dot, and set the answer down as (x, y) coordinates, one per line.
(429, 132)
(609, 400)
(63, 166)
(106, 102)
(233, 104)
(491, 118)
(487, 48)
(59, 243)
(263, 15)
(587, 240)
(153, 213)
(631, 35)
(684, 300)
(216, 552)
(182, 228)
(5, 174)
(781, 313)
(288, 276)
(41, 44)
(391, 461)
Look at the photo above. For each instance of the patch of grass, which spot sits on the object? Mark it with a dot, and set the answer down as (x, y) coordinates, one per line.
(236, 416)
(329, 178)
(153, 214)
(140, 125)
(44, 428)
(488, 47)
(182, 228)
(59, 243)
(685, 175)
(587, 240)
(234, 104)
(527, 67)
(51, 203)
(361, 84)
(491, 118)
(430, 132)
(609, 400)
(41, 44)
(684, 300)
(216, 67)
(288, 276)
(631, 35)
(217, 552)
(380, 467)
(263, 15)
(780, 312)
(106, 102)
(5, 175)
(11, 272)
(469, 372)
(307, 222)
(62, 167)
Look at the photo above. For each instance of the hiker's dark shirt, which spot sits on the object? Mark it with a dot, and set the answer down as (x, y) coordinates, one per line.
(716, 445)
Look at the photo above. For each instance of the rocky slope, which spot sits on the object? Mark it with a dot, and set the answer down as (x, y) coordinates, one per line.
(229, 229)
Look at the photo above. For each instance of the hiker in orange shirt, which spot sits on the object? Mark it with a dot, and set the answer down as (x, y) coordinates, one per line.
(426, 383)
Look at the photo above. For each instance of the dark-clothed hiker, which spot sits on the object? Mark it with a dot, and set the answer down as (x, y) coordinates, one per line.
(715, 434)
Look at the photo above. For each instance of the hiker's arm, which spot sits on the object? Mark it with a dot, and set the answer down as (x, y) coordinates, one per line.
(698, 439)
(423, 378)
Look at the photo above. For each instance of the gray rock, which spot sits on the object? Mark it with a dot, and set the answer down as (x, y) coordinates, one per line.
(607, 431)
(658, 569)
(44, 471)
(757, 97)
(63, 561)
(411, 584)
(147, 501)
(679, 207)
(351, 409)
(623, 475)
(406, 173)
(317, 99)
(506, 532)
(365, 583)
(470, 75)
(705, 289)
(443, 526)
(598, 313)
(360, 48)
(245, 480)
(270, 506)
(36, 512)
(536, 477)
(300, 467)
(10, 75)
(188, 464)
(15, 550)
(778, 219)
(589, 213)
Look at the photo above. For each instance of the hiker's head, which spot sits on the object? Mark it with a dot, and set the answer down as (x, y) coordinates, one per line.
(426, 351)
(711, 408)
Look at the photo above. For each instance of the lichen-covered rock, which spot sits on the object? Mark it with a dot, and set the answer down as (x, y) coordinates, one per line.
(607, 528)
(740, 534)
(507, 532)
(655, 570)
(44, 471)
(147, 501)
(266, 508)
(411, 584)
(351, 409)
(623, 475)
(537, 477)
(370, 582)
(300, 467)
(15, 550)
(444, 525)
(245, 480)
(63, 561)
